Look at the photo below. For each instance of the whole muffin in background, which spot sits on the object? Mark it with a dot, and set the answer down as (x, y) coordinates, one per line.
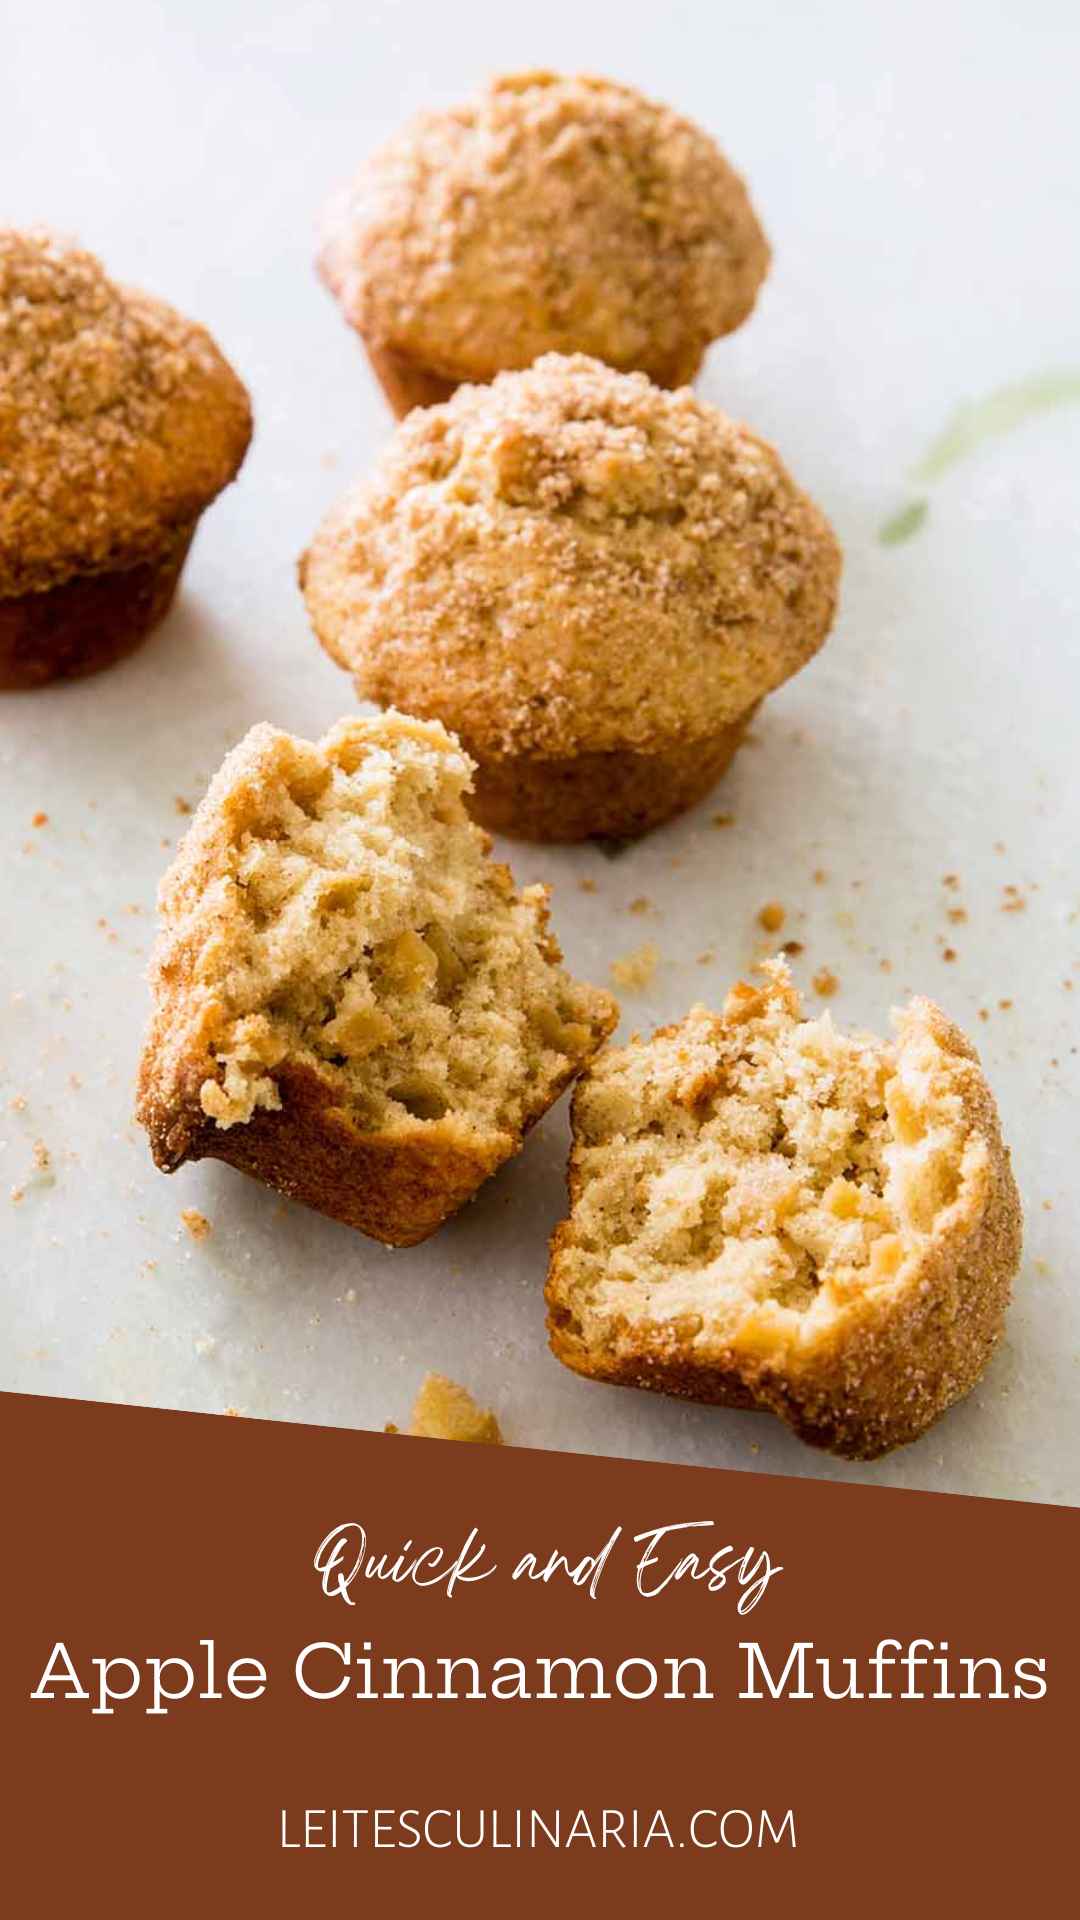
(120, 421)
(591, 581)
(548, 214)
(769, 1213)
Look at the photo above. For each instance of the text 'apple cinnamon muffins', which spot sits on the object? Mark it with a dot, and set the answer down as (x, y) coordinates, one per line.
(351, 1001)
(120, 422)
(592, 581)
(548, 214)
(768, 1213)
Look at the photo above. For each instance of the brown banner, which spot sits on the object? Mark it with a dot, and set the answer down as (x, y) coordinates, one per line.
(158, 1774)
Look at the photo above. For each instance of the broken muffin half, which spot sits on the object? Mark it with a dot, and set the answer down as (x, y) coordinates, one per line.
(351, 1001)
(769, 1213)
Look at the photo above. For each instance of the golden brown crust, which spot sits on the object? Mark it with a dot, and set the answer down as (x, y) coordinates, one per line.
(571, 562)
(897, 1358)
(89, 621)
(119, 420)
(607, 796)
(398, 1190)
(548, 214)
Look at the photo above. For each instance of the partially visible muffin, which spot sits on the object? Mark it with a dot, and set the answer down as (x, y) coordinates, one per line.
(119, 423)
(593, 582)
(768, 1213)
(351, 1001)
(548, 214)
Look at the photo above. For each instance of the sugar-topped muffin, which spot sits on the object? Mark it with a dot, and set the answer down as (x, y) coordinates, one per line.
(351, 1001)
(119, 423)
(548, 214)
(769, 1213)
(592, 581)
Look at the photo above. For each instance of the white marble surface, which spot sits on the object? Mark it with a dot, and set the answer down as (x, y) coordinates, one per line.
(917, 169)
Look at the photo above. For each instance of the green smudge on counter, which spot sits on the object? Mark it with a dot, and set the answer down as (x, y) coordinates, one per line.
(1000, 412)
(903, 524)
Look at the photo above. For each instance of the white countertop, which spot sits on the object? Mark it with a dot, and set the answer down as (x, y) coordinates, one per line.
(918, 171)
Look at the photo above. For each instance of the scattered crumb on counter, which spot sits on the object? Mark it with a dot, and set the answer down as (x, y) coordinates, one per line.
(586, 885)
(958, 916)
(40, 820)
(641, 905)
(819, 876)
(950, 880)
(232, 1413)
(197, 1224)
(182, 806)
(771, 916)
(1005, 1006)
(723, 820)
(42, 1156)
(825, 982)
(635, 970)
(1013, 901)
(17, 1103)
(984, 1013)
(948, 953)
(444, 1411)
(793, 948)
(706, 959)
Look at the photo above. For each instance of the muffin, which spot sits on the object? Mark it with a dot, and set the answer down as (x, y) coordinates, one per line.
(351, 1002)
(768, 1213)
(547, 215)
(119, 423)
(593, 582)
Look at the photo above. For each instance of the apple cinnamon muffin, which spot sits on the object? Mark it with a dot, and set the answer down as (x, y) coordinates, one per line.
(769, 1213)
(351, 1001)
(548, 214)
(120, 422)
(592, 581)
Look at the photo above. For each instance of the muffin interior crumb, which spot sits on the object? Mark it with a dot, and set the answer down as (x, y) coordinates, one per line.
(352, 922)
(742, 1176)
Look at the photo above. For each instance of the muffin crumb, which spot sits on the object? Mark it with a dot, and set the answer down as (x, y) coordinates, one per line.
(636, 970)
(443, 1410)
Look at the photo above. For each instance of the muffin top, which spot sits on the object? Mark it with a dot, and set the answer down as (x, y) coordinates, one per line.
(119, 420)
(547, 214)
(572, 559)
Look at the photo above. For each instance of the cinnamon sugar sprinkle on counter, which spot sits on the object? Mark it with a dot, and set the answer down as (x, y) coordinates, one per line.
(636, 970)
(825, 982)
